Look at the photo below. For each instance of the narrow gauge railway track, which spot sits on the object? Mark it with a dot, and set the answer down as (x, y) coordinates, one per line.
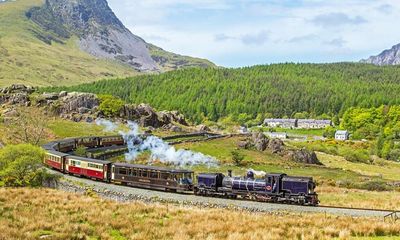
(57, 151)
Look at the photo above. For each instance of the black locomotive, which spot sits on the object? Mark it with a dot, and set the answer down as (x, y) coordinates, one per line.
(277, 187)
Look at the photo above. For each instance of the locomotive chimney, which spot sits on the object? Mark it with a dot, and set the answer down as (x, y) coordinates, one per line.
(229, 173)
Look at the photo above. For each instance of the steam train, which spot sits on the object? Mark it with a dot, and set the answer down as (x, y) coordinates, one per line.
(278, 188)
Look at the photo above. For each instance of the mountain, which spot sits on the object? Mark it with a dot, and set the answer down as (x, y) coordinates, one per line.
(279, 90)
(387, 57)
(67, 42)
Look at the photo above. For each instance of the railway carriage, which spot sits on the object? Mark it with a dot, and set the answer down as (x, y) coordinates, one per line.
(55, 160)
(87, 167)
(152, 177)
(111, 140)
(66, 146)
(89, 142)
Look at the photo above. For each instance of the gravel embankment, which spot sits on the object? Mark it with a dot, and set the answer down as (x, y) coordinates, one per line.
(124, 193)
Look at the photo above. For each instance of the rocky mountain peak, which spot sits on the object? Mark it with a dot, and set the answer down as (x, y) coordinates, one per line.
(100, 32)
(387, 57)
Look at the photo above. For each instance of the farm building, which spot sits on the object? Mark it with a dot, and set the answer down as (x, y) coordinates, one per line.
(342, 135)
(280, 135)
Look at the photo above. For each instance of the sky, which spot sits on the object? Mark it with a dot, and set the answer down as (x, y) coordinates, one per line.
(236, 33)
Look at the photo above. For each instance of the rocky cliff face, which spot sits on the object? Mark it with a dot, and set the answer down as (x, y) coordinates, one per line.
(387, 57)
(103, 35)
(100, 32)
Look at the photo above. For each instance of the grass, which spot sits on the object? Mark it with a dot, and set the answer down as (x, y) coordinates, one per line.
(29, 213)
(26, 59)
(65, 129)
(268, 162)
(382, 168)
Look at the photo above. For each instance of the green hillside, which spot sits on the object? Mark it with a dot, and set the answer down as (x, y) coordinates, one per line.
(24, 58)
(280, 89)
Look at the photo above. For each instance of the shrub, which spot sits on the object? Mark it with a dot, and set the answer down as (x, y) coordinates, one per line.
(237, 157)
(21, 165)
(110, 105)
(375, 186)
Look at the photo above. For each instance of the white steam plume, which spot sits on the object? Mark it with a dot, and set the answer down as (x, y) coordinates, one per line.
(257, 173)
(160, 150)
(107, 124)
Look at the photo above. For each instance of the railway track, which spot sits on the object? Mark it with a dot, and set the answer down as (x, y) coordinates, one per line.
(126, 193)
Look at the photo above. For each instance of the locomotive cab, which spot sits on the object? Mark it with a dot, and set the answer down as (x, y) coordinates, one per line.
(274, 183)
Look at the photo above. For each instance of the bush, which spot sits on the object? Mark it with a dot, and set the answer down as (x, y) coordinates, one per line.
(375, 186)
(21, 165)
(356, 155)
(110, 105)
(237, 157)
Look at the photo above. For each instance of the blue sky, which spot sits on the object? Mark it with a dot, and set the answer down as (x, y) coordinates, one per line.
(235, 33)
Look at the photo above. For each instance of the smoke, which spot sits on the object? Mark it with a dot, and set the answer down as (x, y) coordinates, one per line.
(159, 150)
(108, 125)
(257, 173)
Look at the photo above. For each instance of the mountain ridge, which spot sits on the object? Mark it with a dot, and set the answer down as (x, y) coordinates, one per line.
(387, 57)
(49, 54)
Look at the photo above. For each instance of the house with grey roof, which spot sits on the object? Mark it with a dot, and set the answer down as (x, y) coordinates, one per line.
(342, 135)
(280, 122)
(313, 123)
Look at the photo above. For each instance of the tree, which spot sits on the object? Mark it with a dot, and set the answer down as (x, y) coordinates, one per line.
(21, 165)
(27, 126)
(237, 157)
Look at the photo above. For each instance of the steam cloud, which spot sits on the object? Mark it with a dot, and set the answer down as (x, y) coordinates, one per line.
(258, 173)
(159, 149)
(107, 124)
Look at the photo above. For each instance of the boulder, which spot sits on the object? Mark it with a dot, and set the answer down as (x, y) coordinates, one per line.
(203, 128)
(50, 96)
(276, 145)
(62, 94)
(246, 144)
(303, 156)
(260, 141)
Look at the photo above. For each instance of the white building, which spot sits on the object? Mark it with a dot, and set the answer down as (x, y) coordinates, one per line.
(280, 135)
(342, 135)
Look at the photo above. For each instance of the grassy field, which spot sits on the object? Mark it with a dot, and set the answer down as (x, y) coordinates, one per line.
(26, 59)
(221, 149)
(43, 213)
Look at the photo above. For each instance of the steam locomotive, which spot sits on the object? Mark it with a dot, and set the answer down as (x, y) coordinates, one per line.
(278, 188)
(274, 187)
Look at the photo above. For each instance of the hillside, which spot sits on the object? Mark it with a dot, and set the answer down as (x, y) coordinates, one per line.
(57, 44)
(280, 90)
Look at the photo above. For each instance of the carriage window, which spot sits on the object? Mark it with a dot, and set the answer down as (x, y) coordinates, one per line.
(144, 173)
(75, 163)
(153, 174)
(164, 176)
(91, 165)
(122, 171)
(134, 173)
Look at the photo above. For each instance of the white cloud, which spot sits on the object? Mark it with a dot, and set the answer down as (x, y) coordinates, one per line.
(241, 32)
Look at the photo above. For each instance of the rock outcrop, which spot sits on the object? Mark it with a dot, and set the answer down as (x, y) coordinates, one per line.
(303, 156)
(16, 94)
(261, 143)
(78, 107)
(387, 57)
